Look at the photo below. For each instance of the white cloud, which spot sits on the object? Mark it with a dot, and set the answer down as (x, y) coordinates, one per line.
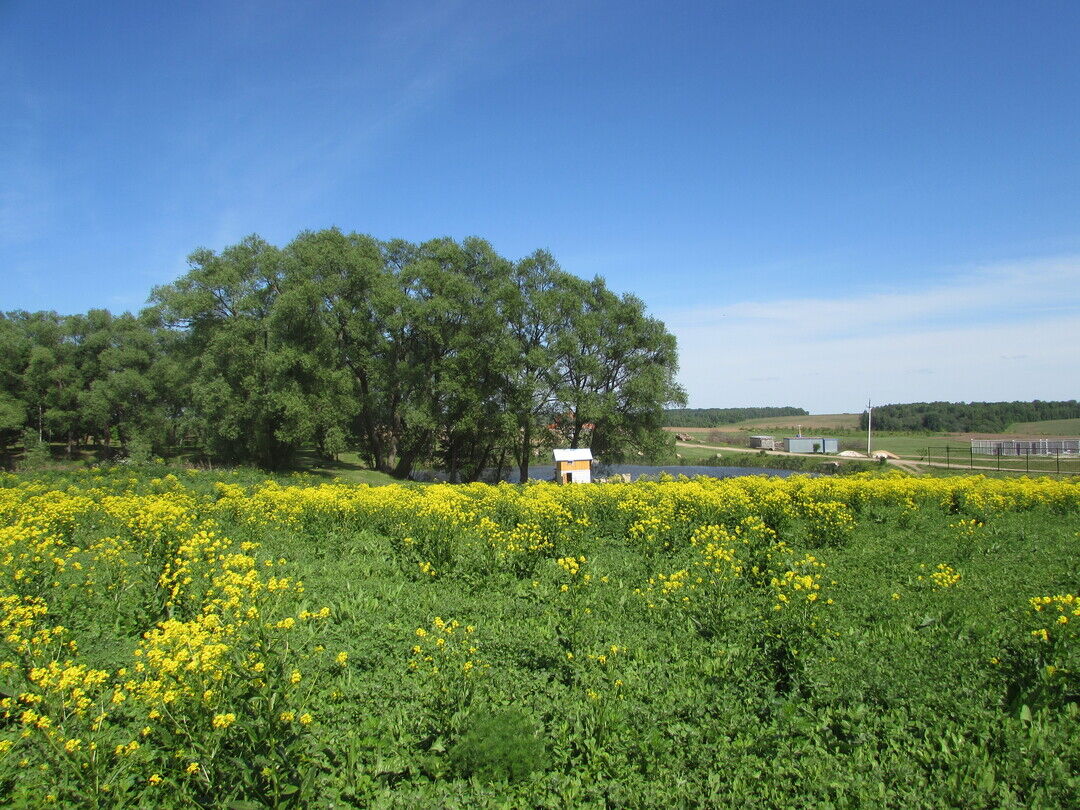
(1002, 333)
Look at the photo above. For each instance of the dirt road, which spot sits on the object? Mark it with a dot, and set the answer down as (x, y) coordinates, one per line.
(903, 464)
(914, 467)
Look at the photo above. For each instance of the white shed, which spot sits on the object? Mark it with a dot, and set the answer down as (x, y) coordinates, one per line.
(573, 466)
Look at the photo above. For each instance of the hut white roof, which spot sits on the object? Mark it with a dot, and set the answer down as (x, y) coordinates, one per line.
(581, 454)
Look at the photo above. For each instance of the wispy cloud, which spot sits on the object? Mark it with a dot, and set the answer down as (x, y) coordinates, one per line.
(411, 57)
(1003, 332)
(1011, 292)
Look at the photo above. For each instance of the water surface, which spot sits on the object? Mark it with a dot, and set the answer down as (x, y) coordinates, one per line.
(546, 472)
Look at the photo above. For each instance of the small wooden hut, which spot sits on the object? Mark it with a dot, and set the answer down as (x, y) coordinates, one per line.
(573, 466)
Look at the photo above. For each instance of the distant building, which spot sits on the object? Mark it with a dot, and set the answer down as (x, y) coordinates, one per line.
(763, 442)
(811, 444)
(573, 466)
(1019, 447)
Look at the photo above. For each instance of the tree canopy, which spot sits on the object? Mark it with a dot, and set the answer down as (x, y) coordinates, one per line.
(967, 417)
(715, 417)
(439, 353)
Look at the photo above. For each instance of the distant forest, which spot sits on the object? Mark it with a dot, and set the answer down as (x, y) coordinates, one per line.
(967, 417)
(715, 417)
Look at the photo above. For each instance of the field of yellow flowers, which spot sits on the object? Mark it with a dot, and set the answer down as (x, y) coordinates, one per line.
(216, 639)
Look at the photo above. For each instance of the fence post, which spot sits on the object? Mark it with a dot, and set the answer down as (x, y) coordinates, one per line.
(1027, 460)
(971, 459)
(947, 459)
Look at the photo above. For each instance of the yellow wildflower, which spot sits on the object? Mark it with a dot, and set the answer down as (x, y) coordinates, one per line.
(224, 720)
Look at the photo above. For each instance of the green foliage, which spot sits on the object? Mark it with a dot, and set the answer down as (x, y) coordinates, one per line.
(967, 417)
(12, 419)
(595, 641)
(139, 449)
(501, 746)
(36, 454)
(798, 463)
(440, 353)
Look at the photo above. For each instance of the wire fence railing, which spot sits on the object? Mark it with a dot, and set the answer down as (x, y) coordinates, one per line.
(956, 457)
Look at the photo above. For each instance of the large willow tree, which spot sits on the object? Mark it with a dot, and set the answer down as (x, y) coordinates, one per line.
(438, 353)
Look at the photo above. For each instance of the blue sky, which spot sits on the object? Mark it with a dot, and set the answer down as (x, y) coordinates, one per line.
(821, 200)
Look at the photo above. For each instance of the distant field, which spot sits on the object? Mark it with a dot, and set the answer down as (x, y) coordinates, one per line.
(703, 435)
(914, 445)
(694, 455)
(834, 421)
(827, 421)
(906, 446)
(850, 421)
(920, 447)
(1048, 427)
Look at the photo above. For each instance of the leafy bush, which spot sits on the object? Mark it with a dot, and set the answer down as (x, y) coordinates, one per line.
(36, 454)
(503, 745)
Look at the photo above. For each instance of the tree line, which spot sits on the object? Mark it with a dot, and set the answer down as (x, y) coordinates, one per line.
(715, 417)
(967, 417)
(439, 353)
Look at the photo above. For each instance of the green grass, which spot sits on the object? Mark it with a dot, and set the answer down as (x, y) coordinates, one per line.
(947, 449)
(911, 447)
(819, 422)
(832, 424)
(695, 455)
(1049, 427)
(348, 467)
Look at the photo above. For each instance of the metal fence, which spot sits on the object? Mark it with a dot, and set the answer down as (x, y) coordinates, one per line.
(1042, 463)
(1023, 447)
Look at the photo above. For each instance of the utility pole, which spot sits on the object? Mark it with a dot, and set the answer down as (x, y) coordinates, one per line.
(869, 417)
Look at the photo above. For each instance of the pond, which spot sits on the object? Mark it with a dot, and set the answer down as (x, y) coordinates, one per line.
(546, 472)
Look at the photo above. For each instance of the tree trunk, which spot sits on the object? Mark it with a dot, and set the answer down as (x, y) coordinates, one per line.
(479, 469)
(452, 466)
(526, 453)
(403, 469)
(369, 428)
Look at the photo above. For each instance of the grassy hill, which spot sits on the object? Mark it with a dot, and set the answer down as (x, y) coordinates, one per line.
(1048, 427)
(821, 422)
(826, 421)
